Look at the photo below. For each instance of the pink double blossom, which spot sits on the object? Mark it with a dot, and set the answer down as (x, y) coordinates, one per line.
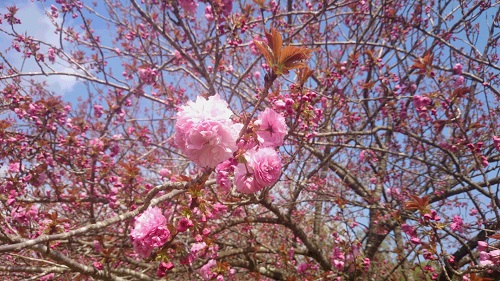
(150, 231)
(262, 169)
(272, 128)
(266, 166)
(205, 132)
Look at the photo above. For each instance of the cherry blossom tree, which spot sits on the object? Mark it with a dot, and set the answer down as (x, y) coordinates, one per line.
(251, 140)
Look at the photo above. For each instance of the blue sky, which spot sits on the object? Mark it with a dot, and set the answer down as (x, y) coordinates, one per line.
(35, 23)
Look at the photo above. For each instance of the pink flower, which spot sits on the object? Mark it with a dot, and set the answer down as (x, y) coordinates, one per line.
(262, 169)
(272, 128)
(303, 267)
(47, 277)
(208, 14)
(415, 240)
(457, 69)
(266, 166)
(184, 224)
(189, 6)
(164, 172)
(98, 265)
(24, 216)
(457, 224)
(482, 246)
(206, 272)
(227, 7)
(484, 258)
(222, 177)
(459, 81)
(150, 231)
(196, 247)
(14, 167)
(51, 54)
(421, 103)
(163, 268)
(496, 143)
(256, 74)
(205, 132)
(366, 264)
(244, 179)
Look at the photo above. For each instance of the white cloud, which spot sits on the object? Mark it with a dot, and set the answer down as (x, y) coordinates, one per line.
(35, 23)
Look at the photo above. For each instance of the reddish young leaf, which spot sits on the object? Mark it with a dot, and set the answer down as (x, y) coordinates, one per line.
(418, 204)
(282, 59)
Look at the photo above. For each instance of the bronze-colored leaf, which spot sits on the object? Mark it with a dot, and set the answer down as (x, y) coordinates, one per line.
(303, 74)
(424, 64)
(275, 42)
(495, 236)
(291, 54)
(418, 204)
(265, 50)
(280, 59)
(474, 277)
(460, 92)
(260, 3)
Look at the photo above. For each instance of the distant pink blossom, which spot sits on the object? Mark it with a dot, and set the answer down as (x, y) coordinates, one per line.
(197, 247)
(227, 7)
(14, 167)
(23, 216)
(366, 264)
(457, 69)
(164, 172)
(482, 246)
(459, 81)
(421, 103)
(415, 240)
(47, 277)
(272, 128)
(496, 143)
(98, 265)
(206, 270)
(148, 75)
(209, 14)
(189, 6)
(489, 259)
(303, 267)
(163, 267)
(51, 54)
(457, 224)
(150, 231)
(205, 132)
(338, 259)
(184, 224)
(256, 74)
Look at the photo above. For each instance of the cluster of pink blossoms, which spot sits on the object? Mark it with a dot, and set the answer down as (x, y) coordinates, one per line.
(206, 134)
(150, 231)
(261, 166)
(487, 258)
